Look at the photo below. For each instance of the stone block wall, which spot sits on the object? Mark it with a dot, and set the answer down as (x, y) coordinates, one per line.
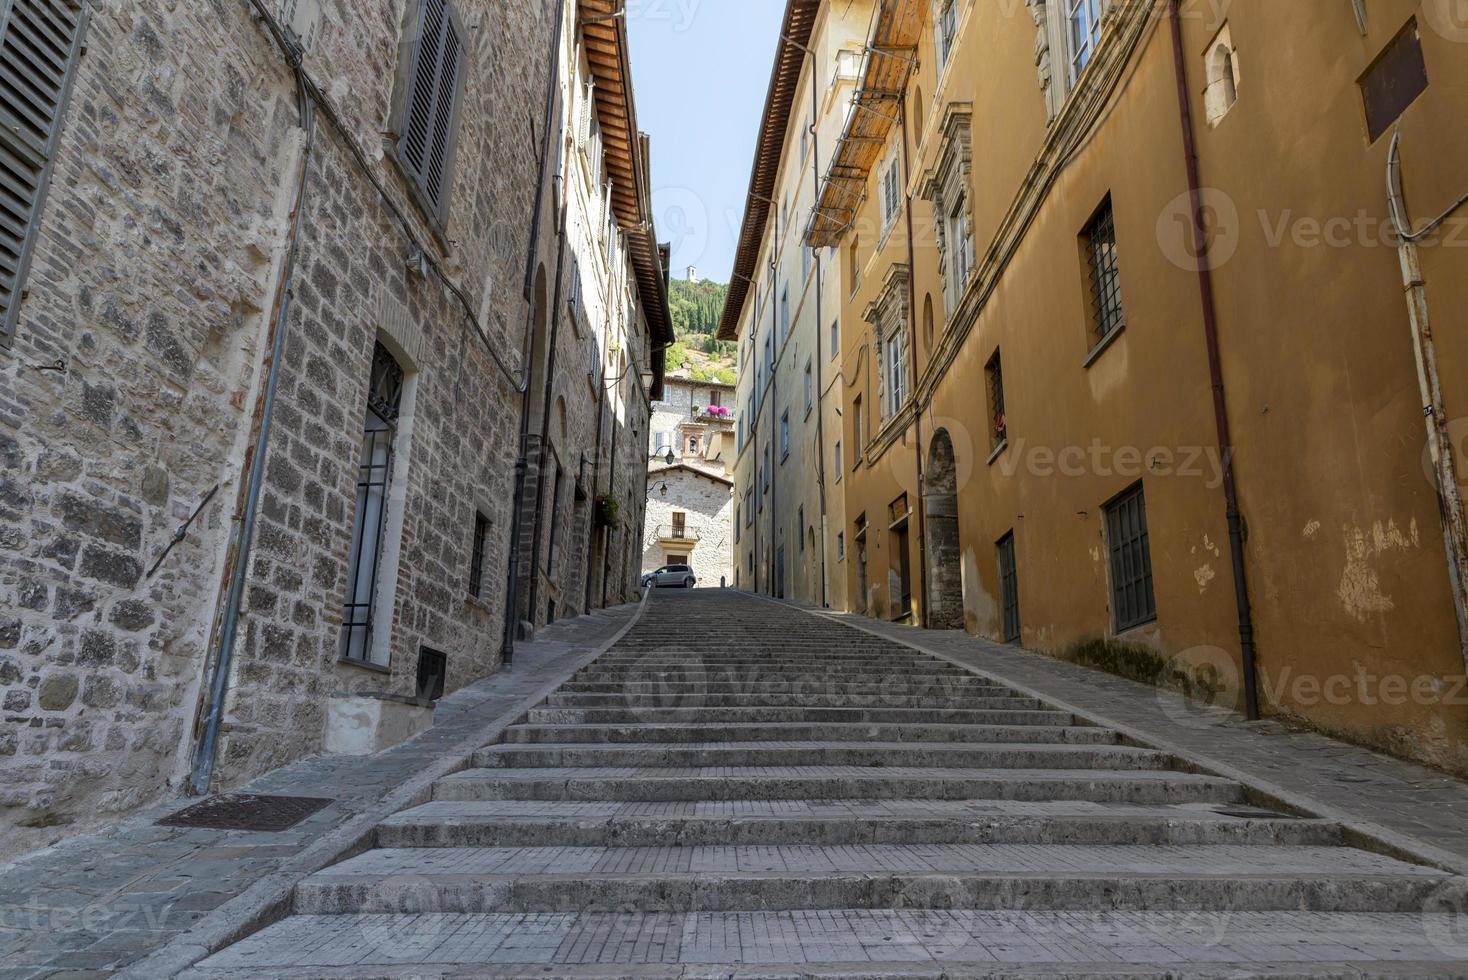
(152, 288)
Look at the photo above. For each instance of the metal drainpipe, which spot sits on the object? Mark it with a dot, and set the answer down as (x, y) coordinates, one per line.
(917, 408)
(528, 346)
(1215, 371)
(774, 399)
(606, 557)
(1434, 412)
(815, 175)
(545, 411)
(202, 771)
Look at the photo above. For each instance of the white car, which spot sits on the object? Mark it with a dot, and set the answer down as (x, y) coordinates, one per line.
(670, 577)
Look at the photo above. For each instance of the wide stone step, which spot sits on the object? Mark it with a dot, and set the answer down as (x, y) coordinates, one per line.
(808, 713)
(791, 731)
(866, 754)
(519, 823)
(835, 782)
(833, 685)
(867, 876)
(854, 944)
(764, 674)
(796, 699)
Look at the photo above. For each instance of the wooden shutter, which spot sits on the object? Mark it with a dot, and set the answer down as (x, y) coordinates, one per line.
(430, 118)
(39, 41)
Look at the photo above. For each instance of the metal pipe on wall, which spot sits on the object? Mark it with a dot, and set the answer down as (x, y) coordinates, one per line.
(1215, 369)
(917, 408)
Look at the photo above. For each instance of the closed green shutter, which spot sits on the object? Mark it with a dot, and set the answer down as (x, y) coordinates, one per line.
(39, 41)
(430, 117)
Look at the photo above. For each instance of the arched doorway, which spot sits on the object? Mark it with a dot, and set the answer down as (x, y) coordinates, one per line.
(940, 517)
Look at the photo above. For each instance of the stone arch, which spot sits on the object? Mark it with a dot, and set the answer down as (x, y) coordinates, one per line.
(940, 517)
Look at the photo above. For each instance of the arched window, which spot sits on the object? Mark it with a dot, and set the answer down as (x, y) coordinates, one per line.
(1223, 77)
(928, 322)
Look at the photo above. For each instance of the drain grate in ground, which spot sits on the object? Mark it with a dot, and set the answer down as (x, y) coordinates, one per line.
(246, 811)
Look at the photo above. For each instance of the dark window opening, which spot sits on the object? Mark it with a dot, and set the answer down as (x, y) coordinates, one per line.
(479, 558)
(1009, 588)
(999, 427)
(1104, 274)
(1132, 601)
(1394, 80)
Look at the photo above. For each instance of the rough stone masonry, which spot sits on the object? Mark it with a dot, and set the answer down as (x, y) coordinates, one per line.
(132, 392)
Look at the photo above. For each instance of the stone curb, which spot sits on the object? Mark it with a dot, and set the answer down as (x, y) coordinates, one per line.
(1359, 832)
(268, 900)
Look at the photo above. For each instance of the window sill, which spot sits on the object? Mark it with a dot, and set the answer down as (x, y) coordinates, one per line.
(478, 604)
(1102, 346)
(1121, 631)
(364, 665)
(998, 451)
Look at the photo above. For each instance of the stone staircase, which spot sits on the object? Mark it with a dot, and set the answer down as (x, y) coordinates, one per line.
(741, 789)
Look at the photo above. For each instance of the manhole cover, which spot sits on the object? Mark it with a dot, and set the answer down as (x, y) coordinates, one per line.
(246, 811)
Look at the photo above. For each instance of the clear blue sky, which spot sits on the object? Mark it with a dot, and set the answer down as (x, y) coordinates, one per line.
(701, 69)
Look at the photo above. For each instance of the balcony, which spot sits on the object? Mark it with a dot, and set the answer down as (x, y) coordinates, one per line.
(678, 533)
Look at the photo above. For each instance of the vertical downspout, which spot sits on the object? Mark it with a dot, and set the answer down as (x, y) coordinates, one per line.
(917, 407)
(1215, 372)
(202, 771)
(777, 347)
(1434, 412)
(815, 176)
(606, 553)
(512, 588)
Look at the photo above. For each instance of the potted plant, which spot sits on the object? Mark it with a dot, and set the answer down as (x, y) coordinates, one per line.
(608, 511)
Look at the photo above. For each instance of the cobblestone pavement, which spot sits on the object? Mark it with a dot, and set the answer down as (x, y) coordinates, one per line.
(97, 903)
(741, 789)
(1419, 809)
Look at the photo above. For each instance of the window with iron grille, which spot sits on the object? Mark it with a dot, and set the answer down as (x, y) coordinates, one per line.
(1132, 601)
(1009, 587)
(39, 45)
(1105, 274)
(426, 122)
(479, 556)
(998, 425)
(784, 434)
(374, 473)
(840, 545)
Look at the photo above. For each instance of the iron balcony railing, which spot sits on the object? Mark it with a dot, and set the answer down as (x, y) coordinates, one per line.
(677, 532)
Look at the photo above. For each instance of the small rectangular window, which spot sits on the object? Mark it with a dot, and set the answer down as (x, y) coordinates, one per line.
(784, 434)
(839, 465)
(810, 386)
(1104, 272)
(479, 556)
(998, 425)
(840, 545)
(1009, 587)
(858, 427)
(426, 121)
(800, 527)
(1130, 560)
(38, 57)
(1394, 80)
(853, 263)
(835, 338)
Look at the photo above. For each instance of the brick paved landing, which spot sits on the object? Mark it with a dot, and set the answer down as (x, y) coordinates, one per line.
(778, 795)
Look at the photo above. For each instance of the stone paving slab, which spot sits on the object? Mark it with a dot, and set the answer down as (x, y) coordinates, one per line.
(102, 901)
(1422, 811)
(1248, 941)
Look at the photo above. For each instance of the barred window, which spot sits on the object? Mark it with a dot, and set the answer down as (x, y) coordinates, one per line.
(1105, 274)
(998, 425)
(1009, 587)
(479, 556)
(1132, 601)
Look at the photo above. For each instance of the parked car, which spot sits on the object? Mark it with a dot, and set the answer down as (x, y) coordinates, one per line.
(670, 577)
